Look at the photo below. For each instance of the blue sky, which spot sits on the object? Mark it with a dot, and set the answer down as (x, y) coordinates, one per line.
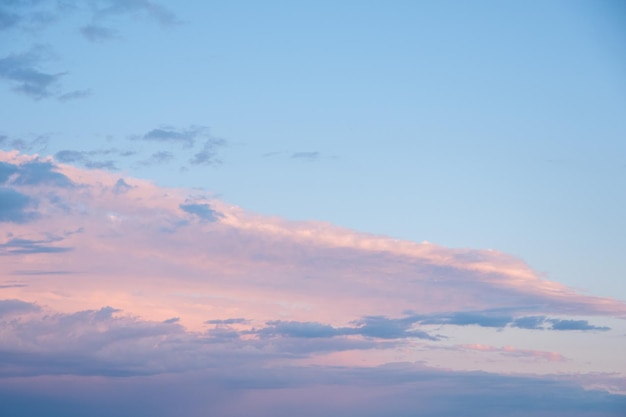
(482, 125)
(470, 125)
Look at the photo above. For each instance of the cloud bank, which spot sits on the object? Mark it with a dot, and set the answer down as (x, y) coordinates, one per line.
(107, 277)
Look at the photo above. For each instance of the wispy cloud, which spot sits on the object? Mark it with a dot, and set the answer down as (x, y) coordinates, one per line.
(512, 351)
(90, 159)
(18, 246)
(75, 95)
(308, 156)
(197, 143)
(23, 71)
(96, 33)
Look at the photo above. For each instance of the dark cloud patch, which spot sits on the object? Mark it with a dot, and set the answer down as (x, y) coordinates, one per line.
(377, 327)
(203, 211)
(172, 320)
(208, 154)
(385, 328)
(16, 306)
(24, 73)
(17, 246)
(557, 324)
(13, 206)
(185, 137)
(41, 173)
(97, 33)
(6, 170)
(530, 322)
(121, 187)
(68, 156)
(308, 156)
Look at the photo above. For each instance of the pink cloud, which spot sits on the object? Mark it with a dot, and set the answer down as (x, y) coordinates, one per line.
(306, 291)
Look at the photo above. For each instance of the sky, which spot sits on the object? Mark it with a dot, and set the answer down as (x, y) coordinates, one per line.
(314, 208)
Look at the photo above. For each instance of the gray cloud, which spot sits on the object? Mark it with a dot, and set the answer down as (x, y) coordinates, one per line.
(70, 156)
(13, 206)
(208, 154)
(16, 306)
(86, 159)
(36, 14)
(558, 324)
(108, 344)
(374, 326)
(185, 137)
(6, 170)
(529, 322)
(203, 211)
(37, 144)
(121, 187)
(22, 70)
(385, 328)
(41, 173)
